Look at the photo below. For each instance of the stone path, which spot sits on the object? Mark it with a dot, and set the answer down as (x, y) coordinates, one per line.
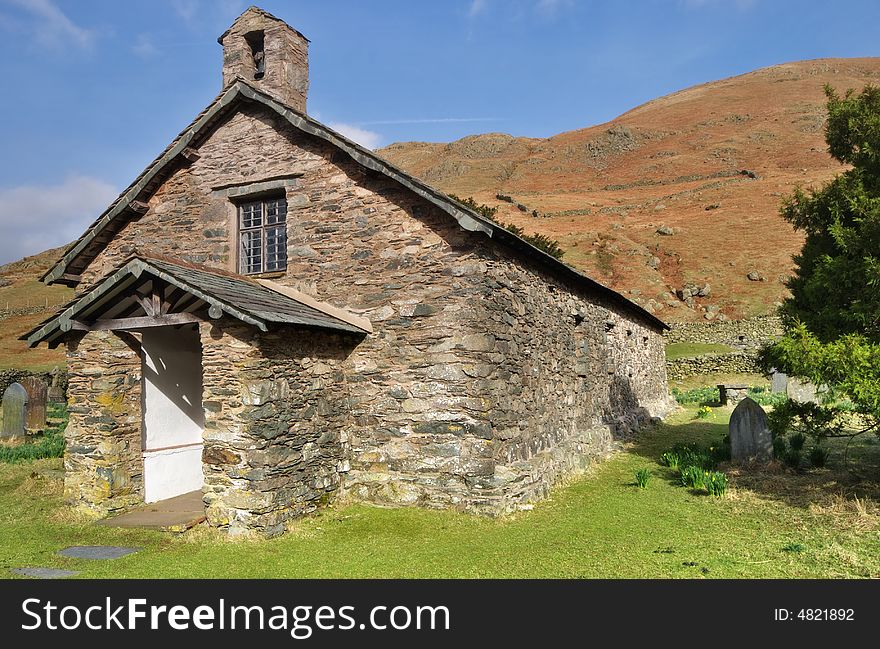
(44, 573)
(96, 551)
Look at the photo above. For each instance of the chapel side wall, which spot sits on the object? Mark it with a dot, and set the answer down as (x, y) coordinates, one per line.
(561, 376)
(102, 460)
(277, 423)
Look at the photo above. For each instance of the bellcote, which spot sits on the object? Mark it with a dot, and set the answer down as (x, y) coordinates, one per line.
(269, 54)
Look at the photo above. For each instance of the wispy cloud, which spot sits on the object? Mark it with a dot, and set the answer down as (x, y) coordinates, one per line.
(51, 27)
(191, 10)
(36, 217)
(432, 120)
(477, 7)
(144, 47)
(742, 5)
(368, 139)
(186, 9)
(553, 7)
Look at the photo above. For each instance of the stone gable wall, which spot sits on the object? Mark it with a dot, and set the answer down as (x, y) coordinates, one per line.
(485, 380)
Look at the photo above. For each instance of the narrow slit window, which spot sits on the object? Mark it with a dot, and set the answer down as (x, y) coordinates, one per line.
(262, 236)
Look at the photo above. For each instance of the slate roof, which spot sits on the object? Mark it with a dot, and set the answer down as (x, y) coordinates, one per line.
(234, 295)
(80, 253)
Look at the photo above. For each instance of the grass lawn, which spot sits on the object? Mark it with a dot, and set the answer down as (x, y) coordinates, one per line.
(689, 350)
(600, 525)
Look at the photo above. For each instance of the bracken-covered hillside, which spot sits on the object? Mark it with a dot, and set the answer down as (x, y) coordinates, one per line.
(709, 164)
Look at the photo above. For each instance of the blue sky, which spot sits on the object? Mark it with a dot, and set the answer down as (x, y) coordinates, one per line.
(94, 89)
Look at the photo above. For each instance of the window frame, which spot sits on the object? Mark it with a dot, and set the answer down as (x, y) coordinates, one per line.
(263, 228)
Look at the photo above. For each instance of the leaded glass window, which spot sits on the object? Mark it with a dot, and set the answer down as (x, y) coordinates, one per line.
(263, 236)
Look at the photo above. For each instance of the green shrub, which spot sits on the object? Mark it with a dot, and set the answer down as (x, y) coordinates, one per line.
(793, 458)
(704, 412)
(540, 241)
(51, 444)
(764, 397)
(643, 476)
(715, 483)
(779, 446)
(670, 459)
(693, 477)
(818, 456)
(797, 441)
(703, 396)
(693, 455)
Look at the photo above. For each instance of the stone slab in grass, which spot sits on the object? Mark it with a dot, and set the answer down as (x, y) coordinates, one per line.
(96, 551)
(44, 573)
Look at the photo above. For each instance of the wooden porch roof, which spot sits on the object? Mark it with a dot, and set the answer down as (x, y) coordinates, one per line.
(151, 292)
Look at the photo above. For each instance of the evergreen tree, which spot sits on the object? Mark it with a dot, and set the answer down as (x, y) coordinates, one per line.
(832, 319)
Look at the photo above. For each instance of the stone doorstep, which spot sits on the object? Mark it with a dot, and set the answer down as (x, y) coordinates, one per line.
(176, 514)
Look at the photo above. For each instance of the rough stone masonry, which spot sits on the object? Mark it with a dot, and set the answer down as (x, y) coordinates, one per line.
(490, 374)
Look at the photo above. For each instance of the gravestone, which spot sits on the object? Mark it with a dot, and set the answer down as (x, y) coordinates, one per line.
(802, 391)
(56, 392)
(749, 432)
(778, 382)
(731, 394)
(13, 408)
(35, 412)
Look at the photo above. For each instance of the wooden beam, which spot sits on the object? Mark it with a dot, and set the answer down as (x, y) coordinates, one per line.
(156, 297)
(142, 322)
(145, 302)
(167, 291)
(140, 207)
(190, 154)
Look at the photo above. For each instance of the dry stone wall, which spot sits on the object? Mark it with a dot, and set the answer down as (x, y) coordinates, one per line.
(745, 336)
(750, 333)
(733, 363)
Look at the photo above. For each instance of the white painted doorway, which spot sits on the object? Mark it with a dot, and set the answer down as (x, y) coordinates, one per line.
(173, 417)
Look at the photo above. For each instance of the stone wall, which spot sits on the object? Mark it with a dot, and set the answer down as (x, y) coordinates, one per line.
(28, 310)
(733, 363)
(276, 426)
(746, 336)
(486, 380)
(102, 461)
(750, 333)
